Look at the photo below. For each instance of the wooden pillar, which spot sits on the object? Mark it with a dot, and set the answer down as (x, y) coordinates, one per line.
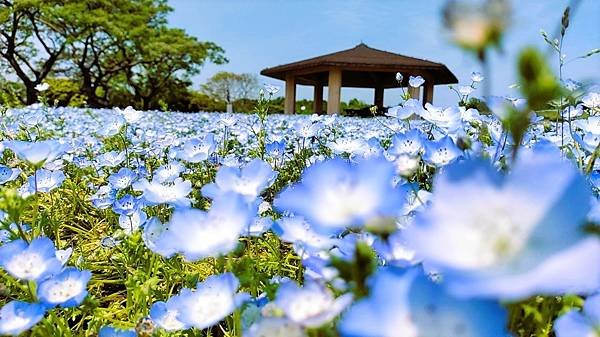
(290, 94)
(335, 91)
(428, 92)
(318, 99)
(414, 92)
(378, 100)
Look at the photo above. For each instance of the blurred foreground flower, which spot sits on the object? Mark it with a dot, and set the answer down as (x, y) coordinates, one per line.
(511, 236)
(336, 194)
(407, 303)
(197, 234)
(211, 301)
(475, 25)
(17, 317)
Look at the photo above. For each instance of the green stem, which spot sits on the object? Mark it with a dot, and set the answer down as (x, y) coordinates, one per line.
(595, 154)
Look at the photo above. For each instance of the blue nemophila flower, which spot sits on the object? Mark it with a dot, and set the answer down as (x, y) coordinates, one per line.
(130, 114)
(394, 250)
(82, 162)
(196, 150)
(335, 194)
(164, 314)
(415, 81)
(589, 125)
(127, 205)
(350, 146)
(258, 226)
(589, 141)
(34, 261)
(591, 99)
(248, 181)
(153, 230)
(34, 118)
(211, 301)
(448, 119)
(408, 303)
(300, 233)
(111, 159)
(198, 234)
(441, 152)
(410, 143)
(276, 148)
(510, 236)
(109, 331)
(306, 128)
(17, 317)
(122, 179)
(45, 180)
(500, 106)
(104, 197)
(275, 327)
(477, 77)
(173, 193)
(8, 174)
(67, 289)
(311, 305)
(131, 222)
(168, 173)
(36, 153)
(372, 148)
(580, 323)
(111, 126)
(63, 255)
(409, 108)
(109, 242)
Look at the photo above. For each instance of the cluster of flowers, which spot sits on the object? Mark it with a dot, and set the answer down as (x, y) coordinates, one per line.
(459, 222)
(50, 282)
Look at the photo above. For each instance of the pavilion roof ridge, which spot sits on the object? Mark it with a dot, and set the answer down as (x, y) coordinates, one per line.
(326, 58)
(401, 55)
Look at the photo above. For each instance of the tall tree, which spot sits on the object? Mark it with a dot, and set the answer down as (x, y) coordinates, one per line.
(167, 57)
(32, 40)
(229, 87)
(106, 45)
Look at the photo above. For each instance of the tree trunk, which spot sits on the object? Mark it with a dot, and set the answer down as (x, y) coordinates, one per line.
(32, 94)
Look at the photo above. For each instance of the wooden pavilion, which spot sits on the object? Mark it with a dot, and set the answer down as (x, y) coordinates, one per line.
(359, 67)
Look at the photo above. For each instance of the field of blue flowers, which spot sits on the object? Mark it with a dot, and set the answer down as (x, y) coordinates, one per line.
(428, 222)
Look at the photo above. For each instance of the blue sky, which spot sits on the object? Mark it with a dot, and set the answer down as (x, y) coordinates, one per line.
(262, 33)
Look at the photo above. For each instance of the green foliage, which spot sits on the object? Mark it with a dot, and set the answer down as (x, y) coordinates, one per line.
(118, 50)
(10, 93)
(476, 103)
(537, 81)
(534, 317)
(356, 271)
(64, 92)
(354, 104)
(203, 102)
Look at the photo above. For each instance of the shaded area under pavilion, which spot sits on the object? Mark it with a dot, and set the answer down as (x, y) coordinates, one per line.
(359, 67)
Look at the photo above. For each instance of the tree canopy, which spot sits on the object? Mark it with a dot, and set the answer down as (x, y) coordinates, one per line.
(230, 87)
(111, 48)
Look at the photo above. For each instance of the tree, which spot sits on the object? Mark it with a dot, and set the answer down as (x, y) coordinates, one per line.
(120, 46)
(168, 58)
(229, 87)
(32, 40)
(106, 50)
